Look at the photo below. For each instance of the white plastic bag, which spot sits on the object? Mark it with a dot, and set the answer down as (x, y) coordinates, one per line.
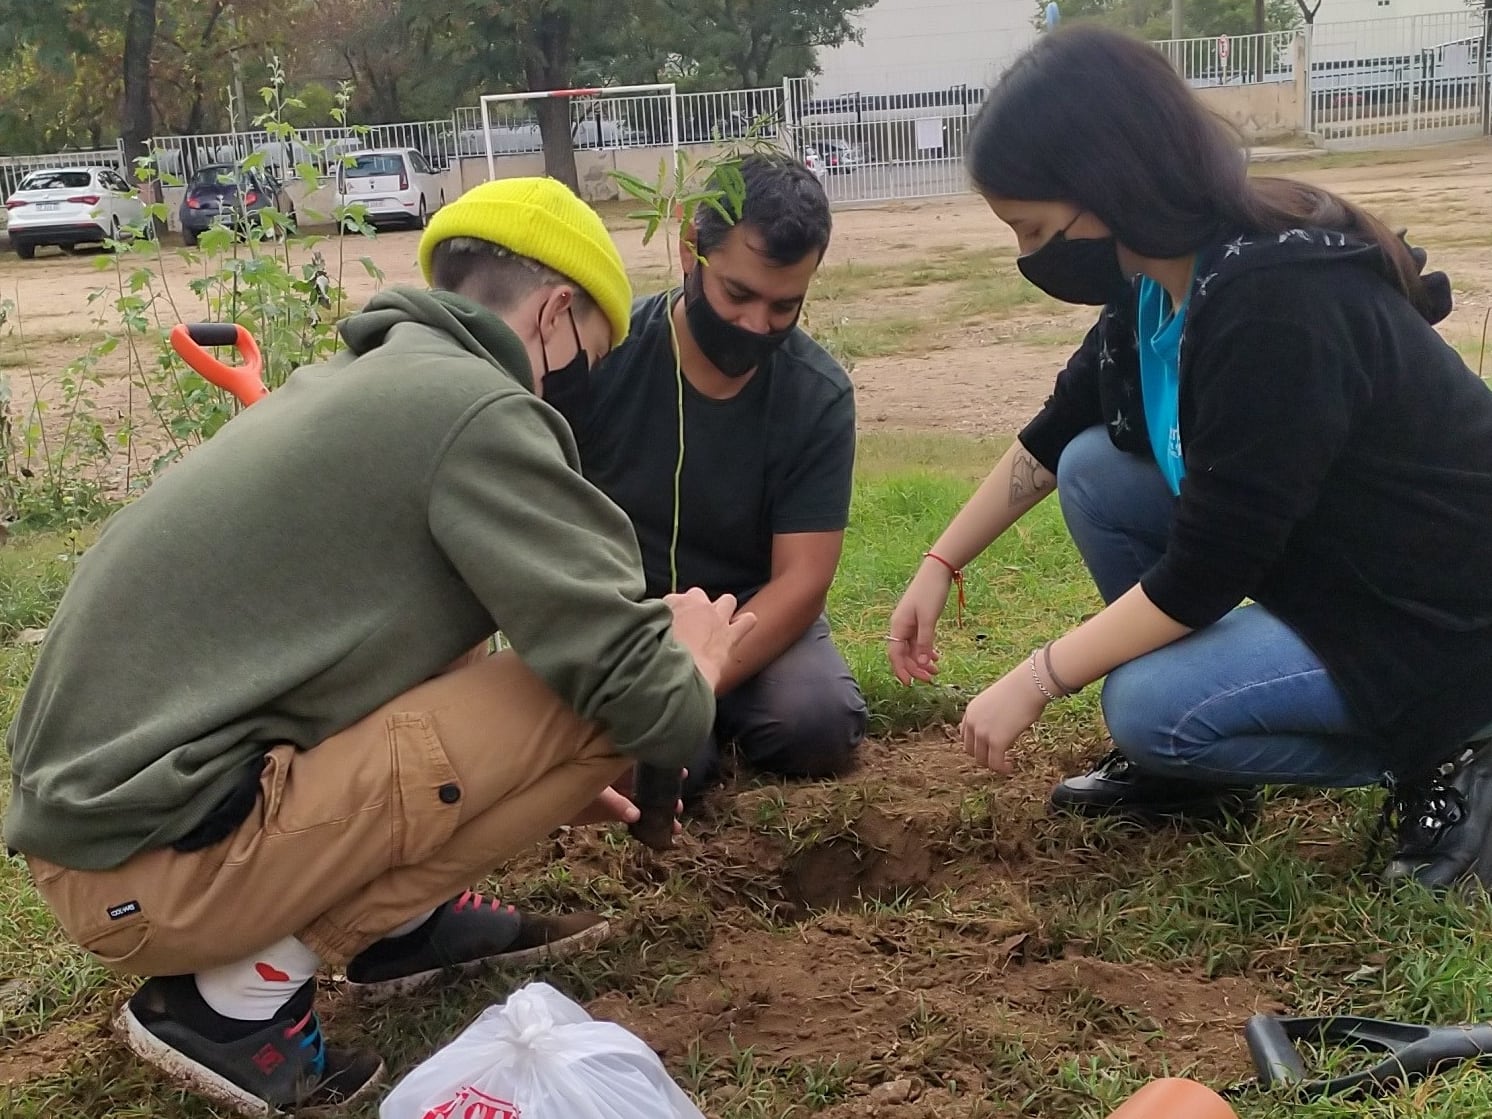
(540, 1056)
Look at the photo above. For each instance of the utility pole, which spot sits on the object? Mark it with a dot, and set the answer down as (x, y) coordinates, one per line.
(1175, 19)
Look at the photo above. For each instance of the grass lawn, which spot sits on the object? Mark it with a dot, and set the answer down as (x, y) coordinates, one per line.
(999, 962)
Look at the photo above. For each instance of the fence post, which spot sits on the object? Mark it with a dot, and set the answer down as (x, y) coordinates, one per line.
(456, 151)
(1486, 74)
(1300, 60)
(789, 121)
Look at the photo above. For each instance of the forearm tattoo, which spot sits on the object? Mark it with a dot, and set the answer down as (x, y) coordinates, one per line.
(1028, 478)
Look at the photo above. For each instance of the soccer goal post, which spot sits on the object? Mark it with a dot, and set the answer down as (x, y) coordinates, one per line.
(596, 128)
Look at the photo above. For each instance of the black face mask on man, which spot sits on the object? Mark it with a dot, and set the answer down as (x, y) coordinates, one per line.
(568, 389)
(1078, 270)
(729, 348)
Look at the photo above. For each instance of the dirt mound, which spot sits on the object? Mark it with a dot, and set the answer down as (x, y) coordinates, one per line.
(883, 927)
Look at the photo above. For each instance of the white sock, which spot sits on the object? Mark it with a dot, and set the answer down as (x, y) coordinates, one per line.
(410, 925)
(257, 988)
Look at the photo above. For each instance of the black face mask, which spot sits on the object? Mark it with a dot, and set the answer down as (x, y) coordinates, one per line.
(1081, 270)
(568, 389)
(729, 348)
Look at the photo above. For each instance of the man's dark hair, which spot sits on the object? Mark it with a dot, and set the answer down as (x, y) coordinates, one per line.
(494, 276)
(784, 205)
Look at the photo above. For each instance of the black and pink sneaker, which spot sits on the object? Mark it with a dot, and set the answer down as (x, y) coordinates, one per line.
(251, 1068)
(465, 934)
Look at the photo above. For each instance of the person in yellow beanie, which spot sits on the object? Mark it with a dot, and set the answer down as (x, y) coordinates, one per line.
(269, 738)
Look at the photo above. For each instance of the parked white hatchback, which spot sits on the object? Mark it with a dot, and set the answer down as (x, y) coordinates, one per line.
(70, 206)
(392, 184)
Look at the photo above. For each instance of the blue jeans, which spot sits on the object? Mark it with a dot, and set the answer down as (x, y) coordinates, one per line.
(1242, 702)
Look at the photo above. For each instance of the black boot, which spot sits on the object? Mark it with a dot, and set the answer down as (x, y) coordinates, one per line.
(1118, 787)
(1444, 822)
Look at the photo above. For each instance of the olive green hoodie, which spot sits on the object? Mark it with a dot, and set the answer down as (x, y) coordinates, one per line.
(330, 548)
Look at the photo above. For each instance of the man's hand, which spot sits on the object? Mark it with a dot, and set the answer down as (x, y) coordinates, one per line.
(710, 631)
(613, 807)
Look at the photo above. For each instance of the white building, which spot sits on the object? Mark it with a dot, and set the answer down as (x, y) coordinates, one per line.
(914, 45)
(1346, 11)
(911, 45)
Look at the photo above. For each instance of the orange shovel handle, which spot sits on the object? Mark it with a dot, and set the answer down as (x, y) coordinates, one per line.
(191, 341)
(1175, 1099)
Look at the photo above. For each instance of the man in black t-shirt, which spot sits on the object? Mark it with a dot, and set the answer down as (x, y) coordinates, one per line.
(769, 447)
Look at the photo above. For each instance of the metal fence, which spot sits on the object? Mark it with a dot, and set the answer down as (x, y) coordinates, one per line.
(887, 146)
(1232, 60)
(321, 148)
(1410, 80)
(615, 122)
(14, 168)
(875, 147)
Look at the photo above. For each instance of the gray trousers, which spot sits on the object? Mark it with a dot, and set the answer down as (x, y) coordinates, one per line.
(801, 716)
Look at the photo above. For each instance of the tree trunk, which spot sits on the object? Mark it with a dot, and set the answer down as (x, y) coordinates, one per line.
(139, 39)
(548, 65)
(559, 142)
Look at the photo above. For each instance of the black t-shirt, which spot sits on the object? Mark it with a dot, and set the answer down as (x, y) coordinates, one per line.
(776, 458)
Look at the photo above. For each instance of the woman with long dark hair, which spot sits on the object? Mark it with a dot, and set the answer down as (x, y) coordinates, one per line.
(1263, 411)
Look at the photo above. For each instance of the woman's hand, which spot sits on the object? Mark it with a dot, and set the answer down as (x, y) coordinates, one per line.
(911, 636)
(999, 715)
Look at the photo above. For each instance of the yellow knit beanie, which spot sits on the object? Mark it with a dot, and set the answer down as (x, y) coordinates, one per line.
(544, 220)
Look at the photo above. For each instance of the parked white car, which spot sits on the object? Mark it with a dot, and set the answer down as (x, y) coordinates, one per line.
(815, 163)
(70, 206)
(393, 184)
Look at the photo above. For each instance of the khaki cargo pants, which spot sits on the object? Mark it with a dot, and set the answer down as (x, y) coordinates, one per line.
(384, 821)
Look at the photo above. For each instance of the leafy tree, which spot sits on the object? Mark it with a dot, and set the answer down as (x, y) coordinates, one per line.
(42, 109)
(82, 71)
(756, 43)
(110, 67)
(406, 59)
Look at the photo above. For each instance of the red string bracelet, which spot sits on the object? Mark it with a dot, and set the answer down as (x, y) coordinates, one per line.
(958, 580)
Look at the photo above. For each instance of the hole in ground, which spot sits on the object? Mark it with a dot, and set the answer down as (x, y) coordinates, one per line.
(880, 858)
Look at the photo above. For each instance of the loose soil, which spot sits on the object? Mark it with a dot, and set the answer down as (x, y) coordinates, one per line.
(886, 925)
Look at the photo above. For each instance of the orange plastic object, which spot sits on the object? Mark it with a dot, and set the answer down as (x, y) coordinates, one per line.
(1175, 1099)
(243, 381)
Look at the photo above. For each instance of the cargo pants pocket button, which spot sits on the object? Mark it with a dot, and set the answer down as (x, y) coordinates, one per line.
(450, 794)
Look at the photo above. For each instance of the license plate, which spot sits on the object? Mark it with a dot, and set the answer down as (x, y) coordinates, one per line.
(49, 205)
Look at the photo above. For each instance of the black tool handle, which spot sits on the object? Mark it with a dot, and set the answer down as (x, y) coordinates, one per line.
(213, 333)
(655, 791)
(1276, 1060)
(1449, 1045)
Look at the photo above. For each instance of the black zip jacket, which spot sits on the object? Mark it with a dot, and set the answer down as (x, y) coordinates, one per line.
(1338, 472)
